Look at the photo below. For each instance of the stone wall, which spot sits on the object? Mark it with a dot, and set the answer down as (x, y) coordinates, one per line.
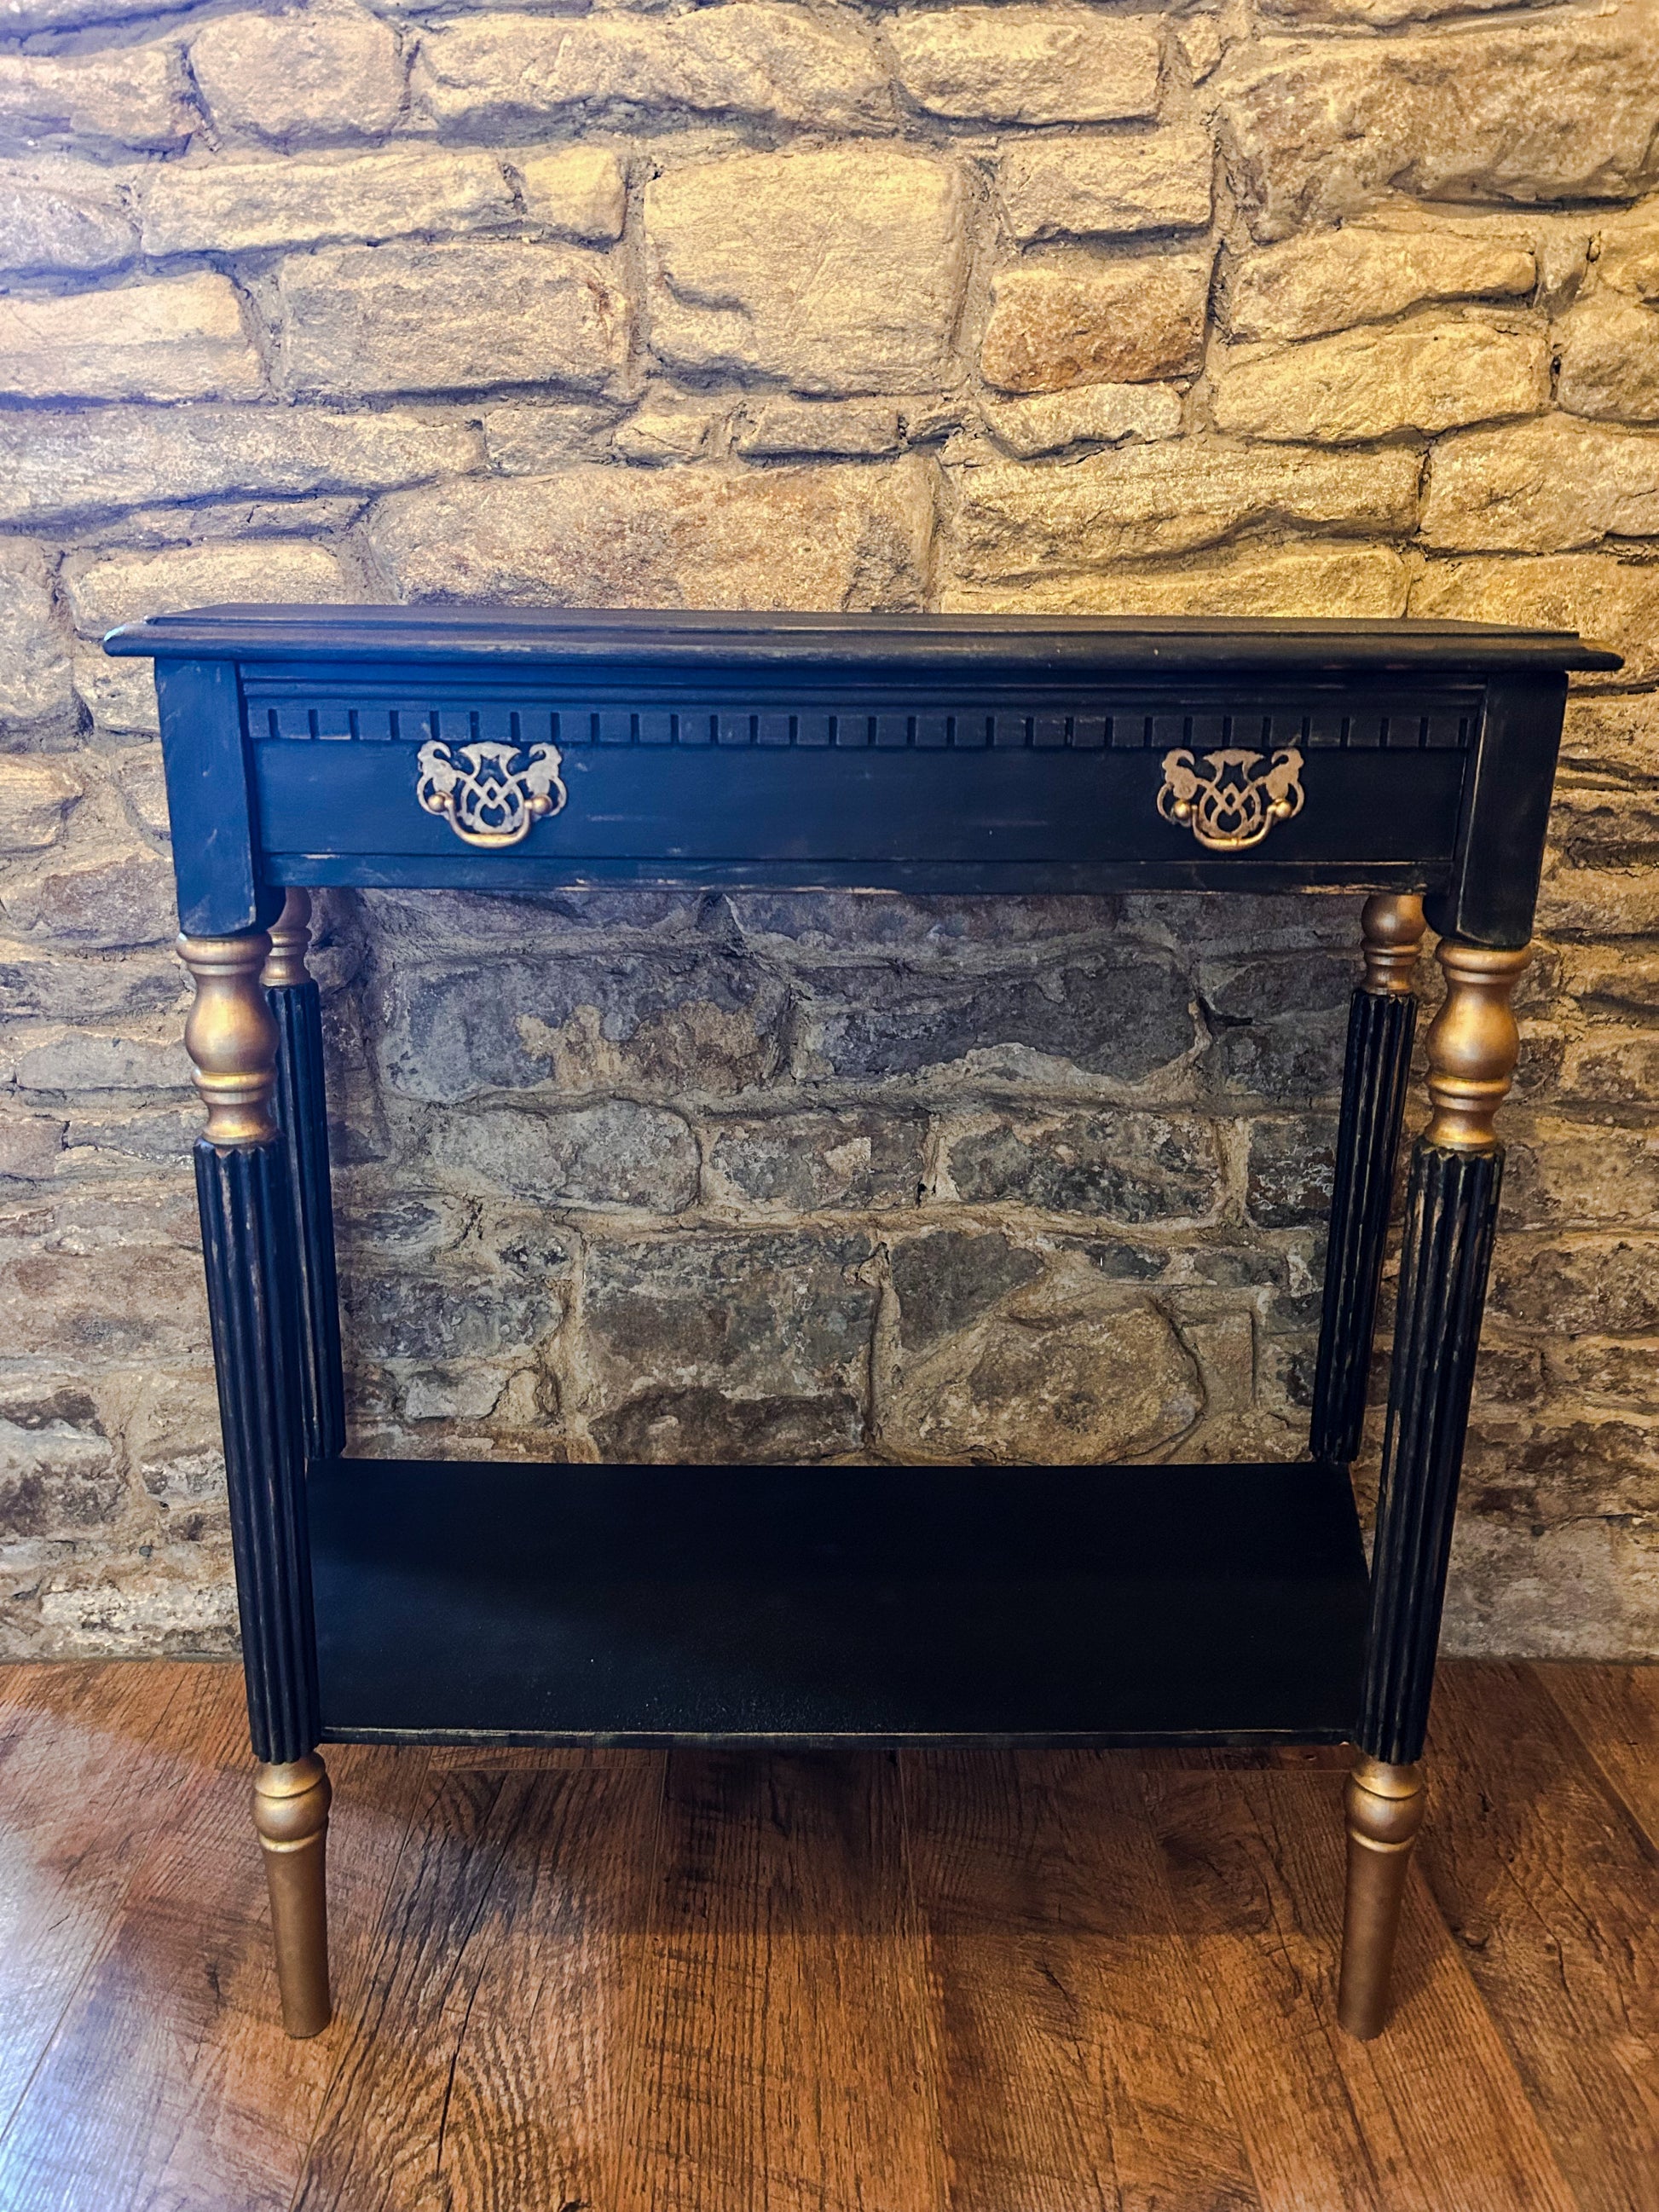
(1340, 307)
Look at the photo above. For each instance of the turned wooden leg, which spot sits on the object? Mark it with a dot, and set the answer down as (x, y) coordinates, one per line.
(1384, 1806)
(302, 1117)
(1452, 1205)
(1381, 1021)
(290, 1812)
(247, 1234)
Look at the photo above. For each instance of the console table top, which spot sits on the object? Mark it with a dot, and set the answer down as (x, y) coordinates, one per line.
(1058, 644)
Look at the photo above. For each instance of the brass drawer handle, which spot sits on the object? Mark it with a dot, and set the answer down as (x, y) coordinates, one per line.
(484, 798)
(1231, 800)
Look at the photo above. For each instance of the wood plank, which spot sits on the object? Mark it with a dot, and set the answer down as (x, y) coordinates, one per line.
(485, 2066)
(1074, 2069)
(787, 2062)
(1549, 1885)
(1430, 2115)
(89, 1767)
(215, 2104)
(1614, 1712)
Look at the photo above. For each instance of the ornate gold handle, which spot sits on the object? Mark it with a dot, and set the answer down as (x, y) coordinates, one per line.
(487, 800)
(1231, 800)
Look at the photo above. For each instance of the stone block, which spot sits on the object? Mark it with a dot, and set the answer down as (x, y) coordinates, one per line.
(1088, 1379)
(702, 1021)
(314, 73)
(57, 1479)
(126, 586)
(1613, 737)
(465, 1314)
(1293, 1167)
(111, 898)
(107, 1304)
(949, 1278)
(1279, 1024)
(1576, 1285)
(34, 670)
(862, 428)
(765, 1314)
(36, 794)
(362, 319)
(1606, 1368)
(838, 271)
(1614, 602)
(235, 207)
(1609, 347)
(1627, 255)
(614, 1153)
(58, 466)
(1357, 275)
(708, 1428)
(119, 695)
(1557, 1175)
(66, 216)
(811, 1163)
(522, 438)
(656, 436)
(31, 1146)
(579, 190)
(181, 337)
(1352, 583)
(1080, 321)
(1425, 375)
(1370, 14)
(1108, 187)
(128, 96)
(1015, 520)
(1122, 1017)
(752, 58)
(1565, 108)
(814, 536)
(1127, 1167)
(1088, 413)
(1547, 486)
(1054, 63)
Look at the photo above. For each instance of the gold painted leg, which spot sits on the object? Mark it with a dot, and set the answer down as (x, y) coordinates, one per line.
(1384, 1806)
(290, 1811)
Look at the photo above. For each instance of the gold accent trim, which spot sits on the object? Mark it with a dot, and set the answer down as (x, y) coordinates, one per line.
(484, 798)
(1474, 1044)
(1391, 928)
(290, 1812)
(1231, 800)
(291, 940)
(230, 1035)
(1385, 1807)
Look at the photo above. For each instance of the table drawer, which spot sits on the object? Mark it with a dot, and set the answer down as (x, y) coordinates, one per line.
(699, 809)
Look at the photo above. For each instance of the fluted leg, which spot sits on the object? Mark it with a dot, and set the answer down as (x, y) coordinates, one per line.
(247, 1239)
(1382, 1022)
(302, 1117)
(1457, 1169)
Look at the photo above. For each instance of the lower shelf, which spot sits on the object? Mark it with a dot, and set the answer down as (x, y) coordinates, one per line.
(463, 1599)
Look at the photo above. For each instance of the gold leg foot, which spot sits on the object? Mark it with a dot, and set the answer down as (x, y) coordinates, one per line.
(290, 1811)
(1384, 1806)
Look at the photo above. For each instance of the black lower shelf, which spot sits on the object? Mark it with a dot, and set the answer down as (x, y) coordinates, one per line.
(460, 1599)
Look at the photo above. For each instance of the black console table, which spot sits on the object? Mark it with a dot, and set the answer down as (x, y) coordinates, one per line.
(392, 1601)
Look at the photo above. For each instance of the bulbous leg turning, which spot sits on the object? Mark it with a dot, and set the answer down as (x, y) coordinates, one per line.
(290, 1812)
(1384, 1806)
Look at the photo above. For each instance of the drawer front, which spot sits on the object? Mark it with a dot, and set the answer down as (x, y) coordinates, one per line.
(702, 810)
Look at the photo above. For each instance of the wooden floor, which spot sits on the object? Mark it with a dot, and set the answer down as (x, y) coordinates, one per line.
(724, 1982)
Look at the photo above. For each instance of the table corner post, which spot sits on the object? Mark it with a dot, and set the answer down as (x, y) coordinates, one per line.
(247, 1239)
(1451, 1210)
